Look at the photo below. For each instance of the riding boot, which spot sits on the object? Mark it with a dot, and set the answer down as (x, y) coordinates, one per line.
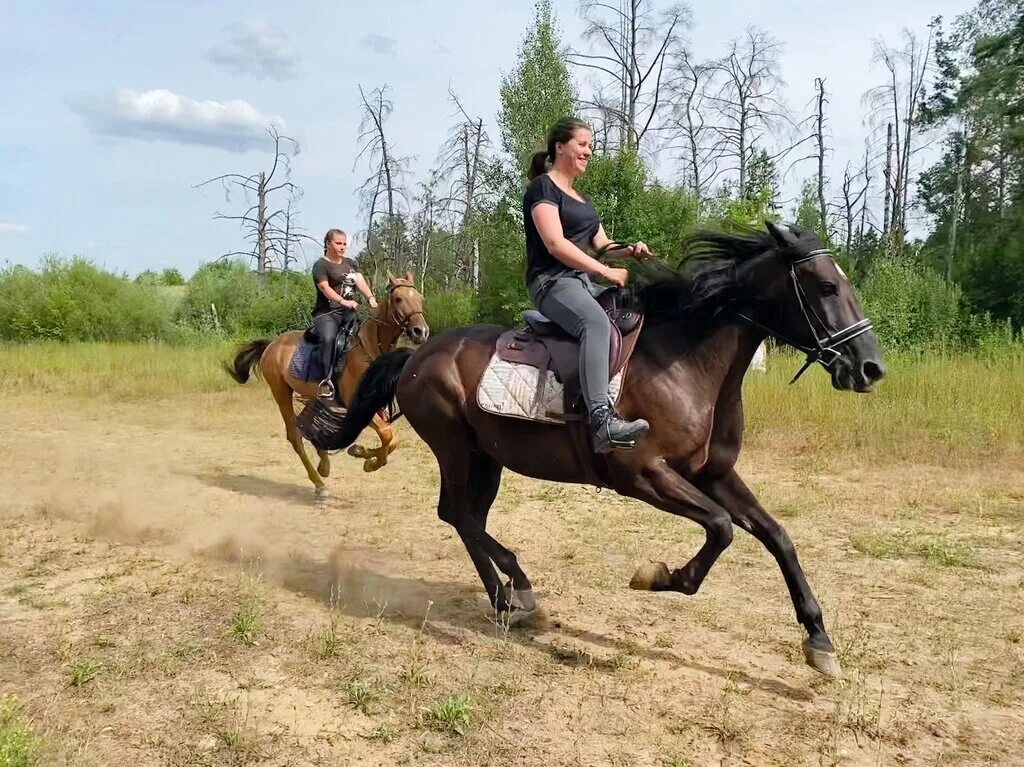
(609, 431)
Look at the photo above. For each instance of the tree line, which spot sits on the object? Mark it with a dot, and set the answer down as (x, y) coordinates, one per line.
(681, 143)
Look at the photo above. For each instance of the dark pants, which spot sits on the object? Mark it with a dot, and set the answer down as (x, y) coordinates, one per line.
(327, 327)
(569, 301)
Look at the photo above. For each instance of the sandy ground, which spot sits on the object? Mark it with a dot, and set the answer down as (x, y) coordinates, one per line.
(171, 594)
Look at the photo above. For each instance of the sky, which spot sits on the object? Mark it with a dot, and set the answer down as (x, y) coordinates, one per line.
(113, 111)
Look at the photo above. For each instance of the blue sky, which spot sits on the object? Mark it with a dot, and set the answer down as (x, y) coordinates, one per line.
(113, 111)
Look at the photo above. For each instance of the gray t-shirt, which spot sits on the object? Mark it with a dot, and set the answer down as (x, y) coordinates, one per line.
(334, 274)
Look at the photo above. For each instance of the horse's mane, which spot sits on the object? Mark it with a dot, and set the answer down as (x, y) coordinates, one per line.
(704, 282)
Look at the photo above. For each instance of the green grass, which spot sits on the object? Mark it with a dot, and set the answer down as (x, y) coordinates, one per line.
(84, 671)
(361, 695)
(19, 745)
(450, 715)
(246, 622)
(933, 548)
(930, 409)
(937, 409)
(114, 371)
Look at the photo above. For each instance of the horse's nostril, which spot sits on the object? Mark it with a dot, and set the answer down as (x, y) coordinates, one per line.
(873, 371)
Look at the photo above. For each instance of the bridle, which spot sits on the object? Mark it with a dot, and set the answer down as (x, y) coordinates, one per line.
(824, 350)
(402, 323)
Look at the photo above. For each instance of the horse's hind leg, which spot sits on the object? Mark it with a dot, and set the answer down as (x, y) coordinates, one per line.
(469, 486)
(735, 496)
(283, 397)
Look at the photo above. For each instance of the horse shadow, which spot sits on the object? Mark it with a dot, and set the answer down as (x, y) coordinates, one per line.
(260, 487)
(357, 585)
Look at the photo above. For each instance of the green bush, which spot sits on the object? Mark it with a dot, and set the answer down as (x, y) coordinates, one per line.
(446, 309)
(74, 300)
(226, 298)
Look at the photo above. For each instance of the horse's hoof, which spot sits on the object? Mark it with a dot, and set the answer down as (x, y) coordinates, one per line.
(822, 660)
(324, 469)
(653, 576)
(322, 493)
(520, 617)
(356, 451)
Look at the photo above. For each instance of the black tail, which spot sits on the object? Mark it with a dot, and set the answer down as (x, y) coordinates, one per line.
(375, 392)
(246, 359)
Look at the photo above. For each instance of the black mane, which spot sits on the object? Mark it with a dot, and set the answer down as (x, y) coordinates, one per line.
(703, 283)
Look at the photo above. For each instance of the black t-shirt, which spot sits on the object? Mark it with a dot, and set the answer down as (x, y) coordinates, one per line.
(334, 274)
(579, 224)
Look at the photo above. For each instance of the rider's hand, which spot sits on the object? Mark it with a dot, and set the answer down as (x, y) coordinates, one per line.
(373, 302)
(349, 304)
(639, 251)
(619, 276)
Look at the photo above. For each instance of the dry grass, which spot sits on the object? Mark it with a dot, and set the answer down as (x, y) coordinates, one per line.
(173, 560)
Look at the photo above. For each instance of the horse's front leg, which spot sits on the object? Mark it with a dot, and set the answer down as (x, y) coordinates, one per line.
(731, 492)
(377, 457)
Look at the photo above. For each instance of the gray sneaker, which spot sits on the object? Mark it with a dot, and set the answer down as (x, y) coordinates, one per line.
(609, 431)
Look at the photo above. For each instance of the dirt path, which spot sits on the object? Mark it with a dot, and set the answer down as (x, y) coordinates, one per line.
(170, 594)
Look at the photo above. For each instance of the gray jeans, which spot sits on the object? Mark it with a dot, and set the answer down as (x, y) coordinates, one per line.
(569, 299)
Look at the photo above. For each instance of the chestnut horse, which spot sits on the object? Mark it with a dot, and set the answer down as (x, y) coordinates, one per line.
(704, 320)
(401, 313)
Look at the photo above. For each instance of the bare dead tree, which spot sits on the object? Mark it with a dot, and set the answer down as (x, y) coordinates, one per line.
(887, 180)
(461, 164)
(850, 201)
(864, 194)
(821, 97)
(694, 142)
(262, 221)
(383, 192)
(748, 101)
(897, 104)
(629, 45)
(425, 223)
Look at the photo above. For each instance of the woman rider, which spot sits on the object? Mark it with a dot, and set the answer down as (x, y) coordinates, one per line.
(334, 276)
(561, 225)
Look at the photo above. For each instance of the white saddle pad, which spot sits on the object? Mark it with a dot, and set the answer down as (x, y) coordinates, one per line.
(509, 389)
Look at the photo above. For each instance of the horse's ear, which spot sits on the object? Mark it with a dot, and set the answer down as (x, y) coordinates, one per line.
(391, 278)
(777, 234)
(409, 278)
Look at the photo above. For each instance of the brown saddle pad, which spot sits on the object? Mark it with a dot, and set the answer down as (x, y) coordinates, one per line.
(542, 344)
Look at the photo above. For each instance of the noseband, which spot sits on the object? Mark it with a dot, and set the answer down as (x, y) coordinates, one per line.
(824, 350)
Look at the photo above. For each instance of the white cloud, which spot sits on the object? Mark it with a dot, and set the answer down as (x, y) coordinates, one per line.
(160, 115)
(6, 227)
(257, 49)
(380, 43)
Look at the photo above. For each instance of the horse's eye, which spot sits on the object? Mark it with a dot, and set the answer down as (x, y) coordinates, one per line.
(829, 289)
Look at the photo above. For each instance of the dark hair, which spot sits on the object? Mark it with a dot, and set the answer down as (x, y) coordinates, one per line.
(560, 133)
(330, 235)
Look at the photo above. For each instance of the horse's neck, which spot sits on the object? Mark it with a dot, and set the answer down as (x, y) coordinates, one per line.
(722, 357)
(380, 333)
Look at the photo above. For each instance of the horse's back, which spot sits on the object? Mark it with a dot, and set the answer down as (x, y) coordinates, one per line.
(279, 353)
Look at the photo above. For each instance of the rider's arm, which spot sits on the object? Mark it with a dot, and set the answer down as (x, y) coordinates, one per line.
(549, 227)
(363, 287)
(332, 295)
(637, 250)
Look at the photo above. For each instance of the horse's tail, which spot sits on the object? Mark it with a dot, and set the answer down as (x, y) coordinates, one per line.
(375, 392)
(246, 359)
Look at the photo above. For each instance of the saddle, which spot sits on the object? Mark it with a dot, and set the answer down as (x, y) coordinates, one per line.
(540, 343)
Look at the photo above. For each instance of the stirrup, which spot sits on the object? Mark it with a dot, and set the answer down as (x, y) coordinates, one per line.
(326, 389)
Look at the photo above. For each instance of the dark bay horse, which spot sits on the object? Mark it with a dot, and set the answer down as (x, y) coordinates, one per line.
(401, 314)
(703, 323)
